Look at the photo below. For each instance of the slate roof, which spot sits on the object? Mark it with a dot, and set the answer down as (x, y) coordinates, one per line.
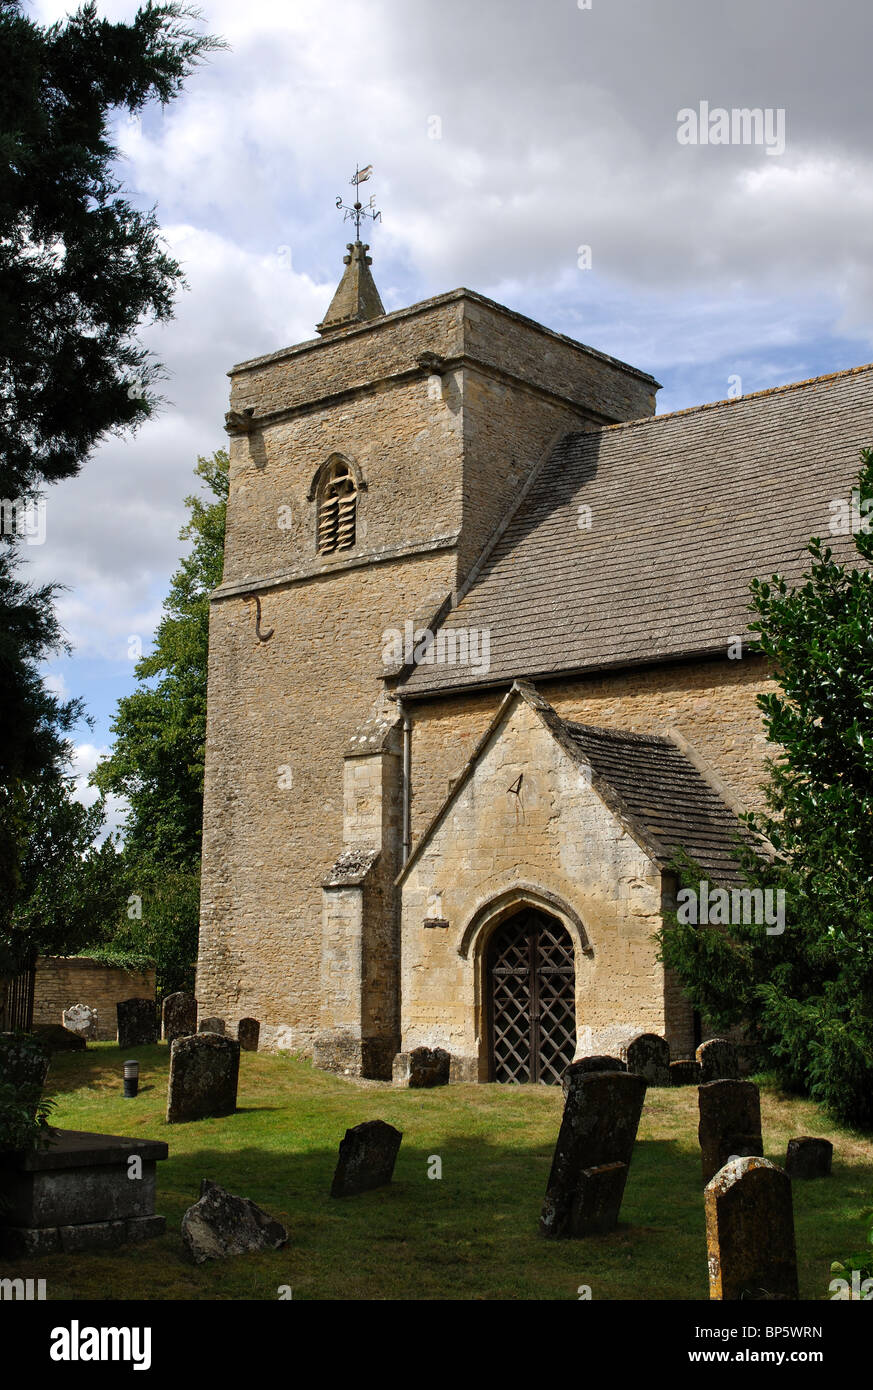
(685, 510)
(662, 795)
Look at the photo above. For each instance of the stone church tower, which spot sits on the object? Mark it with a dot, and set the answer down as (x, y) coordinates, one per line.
(369, 468)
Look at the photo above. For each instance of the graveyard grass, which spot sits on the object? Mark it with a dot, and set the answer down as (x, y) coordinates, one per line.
(470, 1235)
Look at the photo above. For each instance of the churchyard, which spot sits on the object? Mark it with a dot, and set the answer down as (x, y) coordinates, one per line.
(473, 1232)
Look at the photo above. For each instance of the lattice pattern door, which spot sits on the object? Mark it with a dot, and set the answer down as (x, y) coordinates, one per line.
(532, 996)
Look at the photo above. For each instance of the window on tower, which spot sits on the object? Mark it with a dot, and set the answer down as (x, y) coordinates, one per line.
(337, 502)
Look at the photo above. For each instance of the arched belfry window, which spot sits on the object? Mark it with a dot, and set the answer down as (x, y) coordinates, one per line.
(337, 500)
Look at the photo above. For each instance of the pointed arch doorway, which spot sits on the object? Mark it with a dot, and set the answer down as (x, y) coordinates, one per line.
(531, 992)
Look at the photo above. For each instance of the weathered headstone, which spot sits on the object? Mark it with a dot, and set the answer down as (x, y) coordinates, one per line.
(367, 1155)
(212, 1025)
(220, 1225)
(718, 1061)
(178, 1016)
(648, 1055)
(204, 1074)
(421, 1067)
(24, 1063)
(809, 1158)
(750, 1231)
(57, 1038)
(137, 1024)
(599, 1126)
(685, 1073)
(730, 1123)
(591, 1064)
(248, 1033)
(81, 1020)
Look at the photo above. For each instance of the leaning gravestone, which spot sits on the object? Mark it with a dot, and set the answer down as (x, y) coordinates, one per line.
(81, 1020)
(718, 1061)
(178, 1016)
(809, 1158)
(422, 1067)
(750, 1232)
(212, 1025)
(220, 1225)
(24, 1064)
(648, 1056)
(204, 1074)
(596, 1140)
(137, 1026)
(730, 1123)
(591, 1064)
(367, 1155)
(248, 1033)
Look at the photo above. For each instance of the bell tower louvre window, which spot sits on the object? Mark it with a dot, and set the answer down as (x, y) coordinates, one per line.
(337, 503)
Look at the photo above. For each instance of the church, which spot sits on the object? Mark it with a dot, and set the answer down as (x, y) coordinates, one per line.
(478, 667)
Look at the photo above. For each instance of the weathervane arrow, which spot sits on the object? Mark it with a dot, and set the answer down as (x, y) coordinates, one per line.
(358, 210)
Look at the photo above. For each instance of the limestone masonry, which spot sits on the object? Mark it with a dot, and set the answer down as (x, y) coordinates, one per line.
(437, 596)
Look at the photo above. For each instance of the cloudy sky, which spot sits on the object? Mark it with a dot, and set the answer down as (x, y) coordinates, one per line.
(505, 136)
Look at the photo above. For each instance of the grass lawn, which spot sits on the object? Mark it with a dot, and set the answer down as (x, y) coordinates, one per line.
(470, 1235)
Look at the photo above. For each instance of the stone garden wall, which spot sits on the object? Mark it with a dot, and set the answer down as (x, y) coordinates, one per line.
(65, 980)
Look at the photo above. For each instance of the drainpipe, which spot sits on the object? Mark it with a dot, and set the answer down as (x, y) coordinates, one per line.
(407, 771)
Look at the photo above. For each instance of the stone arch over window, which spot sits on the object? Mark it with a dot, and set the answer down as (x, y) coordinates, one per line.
(336, 489)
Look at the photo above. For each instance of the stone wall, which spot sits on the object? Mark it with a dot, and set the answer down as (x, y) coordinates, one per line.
(65, 980)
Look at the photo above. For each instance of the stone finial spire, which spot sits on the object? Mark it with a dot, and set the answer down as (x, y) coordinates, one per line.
(356, 299)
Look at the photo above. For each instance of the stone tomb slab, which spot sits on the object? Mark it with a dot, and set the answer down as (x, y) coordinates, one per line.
(719, 1061)
(220, 1225)
(137, 1023)
(204, 1076)
(76, 1194)
(367, 1155)
(750, 1232)
(809, 1158)
(648, 1055)
(730, 1123)
(178, 1016)
(422, 1067)
(598, 1130)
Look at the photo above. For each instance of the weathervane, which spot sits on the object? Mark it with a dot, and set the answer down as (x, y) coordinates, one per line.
(359, 209)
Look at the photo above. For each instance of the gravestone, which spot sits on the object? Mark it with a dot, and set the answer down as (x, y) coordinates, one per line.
(367, 1155)
(809, 1158)
(81, 1020)
(178, 1016)
(421, 1067)
(248, 1033)
(24, 1063)
(57, 1038)
(648, 1056)
(750, 1231)
(730, 1123)
(137, 1025)
(204, 1074)
(718, 1060)
(212, 1025)
(591, 1064)
(599, 1126)
(685, 1073)
(220, 1225)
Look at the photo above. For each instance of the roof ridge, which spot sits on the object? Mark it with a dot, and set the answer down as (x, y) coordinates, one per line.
(728, 401)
